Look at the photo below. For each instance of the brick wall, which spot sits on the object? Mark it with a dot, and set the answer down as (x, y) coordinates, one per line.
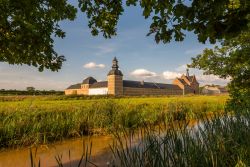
(70, 91)
(74, 92)
(84, 89)
(115, 85)
(127, 91)
(195, 86)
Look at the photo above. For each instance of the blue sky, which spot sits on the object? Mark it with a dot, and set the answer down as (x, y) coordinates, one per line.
(140, 58)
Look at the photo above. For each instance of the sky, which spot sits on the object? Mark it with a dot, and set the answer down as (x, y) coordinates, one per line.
(140, 58)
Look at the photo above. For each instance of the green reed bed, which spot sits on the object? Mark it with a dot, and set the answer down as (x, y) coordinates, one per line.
(40, 121)
(222, 141)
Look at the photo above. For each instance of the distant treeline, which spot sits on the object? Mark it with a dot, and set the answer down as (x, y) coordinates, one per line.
(34, 92)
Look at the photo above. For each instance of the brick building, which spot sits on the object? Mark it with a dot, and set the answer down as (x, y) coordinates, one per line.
(115, 85)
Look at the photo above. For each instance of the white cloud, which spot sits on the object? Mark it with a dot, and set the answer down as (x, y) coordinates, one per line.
(92, 65)
(207, 79)
(170, 75)
(143, 73)
(211, 79)
(202, 79)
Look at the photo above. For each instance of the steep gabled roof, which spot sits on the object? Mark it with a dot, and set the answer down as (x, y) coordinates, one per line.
(192, 78)
(138, 84)
(182, 81)
(188, 79)
(75, 86)
(89, 80)
(101, 84)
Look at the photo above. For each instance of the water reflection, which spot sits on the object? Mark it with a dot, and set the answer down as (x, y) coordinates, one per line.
(100, 152)
(20, 157)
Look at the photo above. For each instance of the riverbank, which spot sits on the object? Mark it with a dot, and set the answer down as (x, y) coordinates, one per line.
(71, 151)
(220, 141)
(33, 121)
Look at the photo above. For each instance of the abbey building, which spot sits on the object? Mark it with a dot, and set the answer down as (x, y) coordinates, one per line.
(115, 85)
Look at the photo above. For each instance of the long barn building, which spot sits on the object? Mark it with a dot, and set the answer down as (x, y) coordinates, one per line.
(115, 85)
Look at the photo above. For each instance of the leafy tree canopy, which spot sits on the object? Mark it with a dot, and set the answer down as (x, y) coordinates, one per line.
(30, 89)
(26, 30)
(231, 60)
(27, 26)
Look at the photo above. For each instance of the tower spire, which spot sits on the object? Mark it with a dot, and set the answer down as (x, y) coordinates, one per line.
(115, 68)
(115, 64)
(187, 74)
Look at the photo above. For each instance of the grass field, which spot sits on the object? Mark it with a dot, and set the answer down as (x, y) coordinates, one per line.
(38, 120)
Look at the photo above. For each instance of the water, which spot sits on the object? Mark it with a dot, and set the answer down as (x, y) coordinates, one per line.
(21, 157)
(100, 152)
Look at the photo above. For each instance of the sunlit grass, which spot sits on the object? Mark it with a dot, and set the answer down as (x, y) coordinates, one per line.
(47, 119)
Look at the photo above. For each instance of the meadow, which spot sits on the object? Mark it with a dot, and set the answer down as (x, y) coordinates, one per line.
(31, 120)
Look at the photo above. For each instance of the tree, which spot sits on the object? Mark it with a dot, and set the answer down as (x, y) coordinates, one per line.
(26, 29)
(208, 19)
(30, 89)
(27, 26)
(231, 60)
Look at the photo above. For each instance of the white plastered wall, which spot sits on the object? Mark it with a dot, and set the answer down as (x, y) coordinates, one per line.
(98, 91)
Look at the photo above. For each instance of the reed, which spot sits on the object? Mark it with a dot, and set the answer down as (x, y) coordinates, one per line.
(84, 161)
(47, 119)
(222, 141)
(218, 141)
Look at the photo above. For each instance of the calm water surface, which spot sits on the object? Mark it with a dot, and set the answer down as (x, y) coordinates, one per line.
(21, 157)
(100, 154)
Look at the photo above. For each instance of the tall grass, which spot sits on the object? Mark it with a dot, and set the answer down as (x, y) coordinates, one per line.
(84, 161)
(219, 141)
(39, 121)
(222, 141)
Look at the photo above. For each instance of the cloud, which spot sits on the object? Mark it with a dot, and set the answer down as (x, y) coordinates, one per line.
(143, 73)
(202, 79)
(92, 65)
(170, 74)
(211, 79)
